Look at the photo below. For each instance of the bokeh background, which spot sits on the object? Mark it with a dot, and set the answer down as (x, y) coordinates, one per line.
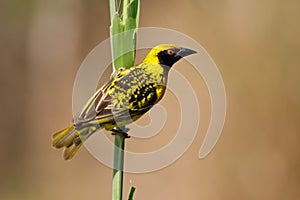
(256, 46)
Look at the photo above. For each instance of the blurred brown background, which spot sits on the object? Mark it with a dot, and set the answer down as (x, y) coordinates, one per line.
(256, 46)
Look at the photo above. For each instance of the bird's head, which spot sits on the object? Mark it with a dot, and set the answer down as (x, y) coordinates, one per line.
(167, 54)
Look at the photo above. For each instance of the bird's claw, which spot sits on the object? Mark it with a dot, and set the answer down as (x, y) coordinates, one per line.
(121, 133)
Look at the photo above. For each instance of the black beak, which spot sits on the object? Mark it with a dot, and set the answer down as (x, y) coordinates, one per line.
(184, 52)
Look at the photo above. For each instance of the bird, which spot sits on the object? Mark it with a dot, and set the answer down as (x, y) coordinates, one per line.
(123, 99)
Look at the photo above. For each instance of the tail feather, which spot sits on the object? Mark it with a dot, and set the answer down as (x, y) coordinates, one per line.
(64, 137)
(70, 139)
(69, 152)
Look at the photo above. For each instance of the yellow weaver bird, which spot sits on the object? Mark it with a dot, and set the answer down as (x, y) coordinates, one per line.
(123, 99)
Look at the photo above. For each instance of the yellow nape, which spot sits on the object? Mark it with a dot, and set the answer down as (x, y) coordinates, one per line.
(152, 55)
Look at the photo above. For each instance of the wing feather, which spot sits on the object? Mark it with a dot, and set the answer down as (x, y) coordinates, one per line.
(95, 105)
(122, 100)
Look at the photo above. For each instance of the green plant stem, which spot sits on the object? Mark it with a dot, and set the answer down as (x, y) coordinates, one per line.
(118, 167)
(122, 20)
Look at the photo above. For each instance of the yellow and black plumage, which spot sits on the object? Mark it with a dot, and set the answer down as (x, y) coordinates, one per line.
(125, 98)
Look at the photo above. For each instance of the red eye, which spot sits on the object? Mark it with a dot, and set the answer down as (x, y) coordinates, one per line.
(170, 52)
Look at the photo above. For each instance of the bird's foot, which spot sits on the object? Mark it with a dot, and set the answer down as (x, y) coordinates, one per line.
(122, 133)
